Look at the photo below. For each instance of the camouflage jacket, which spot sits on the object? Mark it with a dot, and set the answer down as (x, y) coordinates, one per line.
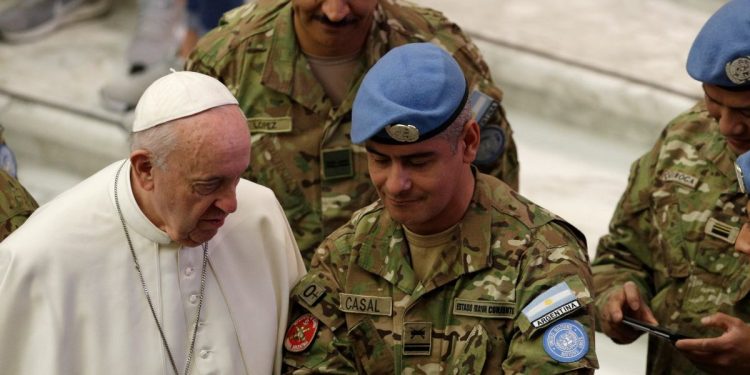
(16, 205)
(508, 251)
(673, 234)
(300, 144)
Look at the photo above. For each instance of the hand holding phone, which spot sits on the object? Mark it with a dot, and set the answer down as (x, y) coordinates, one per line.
(653, 330)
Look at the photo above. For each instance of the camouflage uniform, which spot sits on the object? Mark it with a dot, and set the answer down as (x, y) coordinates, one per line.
(511, 251)
(673, 234)
(294, 124)
(16, 205)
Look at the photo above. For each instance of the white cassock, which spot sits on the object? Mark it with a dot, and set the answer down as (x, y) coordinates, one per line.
(71, 301)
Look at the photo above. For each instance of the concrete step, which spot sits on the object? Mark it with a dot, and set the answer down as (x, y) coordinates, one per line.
(615, 68)
(49, 102)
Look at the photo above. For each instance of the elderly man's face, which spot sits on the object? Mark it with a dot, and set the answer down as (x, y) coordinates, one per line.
(732, 110)
(195, 191)
(332, 28)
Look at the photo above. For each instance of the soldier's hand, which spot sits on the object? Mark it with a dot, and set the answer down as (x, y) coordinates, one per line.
(624, 301)
(726, 354)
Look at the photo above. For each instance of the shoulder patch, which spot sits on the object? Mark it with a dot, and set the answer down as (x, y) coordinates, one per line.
(8, 160)
(566, 341)
(301, 333)
(491, 145)
(483, 107)
(552, 305)
(312, 293)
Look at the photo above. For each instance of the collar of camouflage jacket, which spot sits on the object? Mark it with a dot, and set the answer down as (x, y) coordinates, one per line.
(715, 145)
(286, 69)
(384, 250)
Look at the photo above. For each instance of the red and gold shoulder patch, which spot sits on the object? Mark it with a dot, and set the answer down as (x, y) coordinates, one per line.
(301, 333)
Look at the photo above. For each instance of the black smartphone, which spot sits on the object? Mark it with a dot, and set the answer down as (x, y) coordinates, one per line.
(654, 330)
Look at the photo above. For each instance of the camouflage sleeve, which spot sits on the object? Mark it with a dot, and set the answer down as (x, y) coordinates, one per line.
(215, 53)
(204, 57)
(556, 257)
(494, 159)
(329, 350)
(16, 205)
(623, 254)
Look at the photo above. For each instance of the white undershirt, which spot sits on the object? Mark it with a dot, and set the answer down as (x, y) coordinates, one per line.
(427, 250)
(335, 74)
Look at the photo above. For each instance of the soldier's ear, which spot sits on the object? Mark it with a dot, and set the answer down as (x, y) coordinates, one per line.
(470, 140)
(743, 240)
(143, 169)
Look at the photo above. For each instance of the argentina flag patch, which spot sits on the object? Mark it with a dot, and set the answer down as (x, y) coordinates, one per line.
(550, 306)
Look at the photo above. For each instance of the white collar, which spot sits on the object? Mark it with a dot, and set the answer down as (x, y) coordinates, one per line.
(134, 216)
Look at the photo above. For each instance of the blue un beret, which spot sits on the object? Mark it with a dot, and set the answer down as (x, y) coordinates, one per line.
(742, 167)
(720, 54)
(411, 94)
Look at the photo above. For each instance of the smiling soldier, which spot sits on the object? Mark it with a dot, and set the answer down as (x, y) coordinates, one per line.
(295, 66)
(450, 271)
(672, 255)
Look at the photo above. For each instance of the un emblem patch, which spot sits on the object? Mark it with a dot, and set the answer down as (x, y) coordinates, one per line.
(566, 341)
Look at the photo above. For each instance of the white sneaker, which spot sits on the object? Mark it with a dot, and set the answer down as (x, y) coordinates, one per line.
(30, 19)
(159, 32)
(122, 93)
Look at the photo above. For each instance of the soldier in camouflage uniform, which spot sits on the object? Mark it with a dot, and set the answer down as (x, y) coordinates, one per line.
(450, 271)
(16, 204)
(270, 54)
(669, 257)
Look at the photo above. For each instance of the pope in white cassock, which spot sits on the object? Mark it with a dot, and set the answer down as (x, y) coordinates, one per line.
(164, 263)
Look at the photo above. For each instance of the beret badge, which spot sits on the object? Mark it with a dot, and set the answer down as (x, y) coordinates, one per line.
(403, 133)
(738, 70)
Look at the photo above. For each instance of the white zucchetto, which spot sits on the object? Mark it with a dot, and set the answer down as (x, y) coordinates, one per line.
(177, 95)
